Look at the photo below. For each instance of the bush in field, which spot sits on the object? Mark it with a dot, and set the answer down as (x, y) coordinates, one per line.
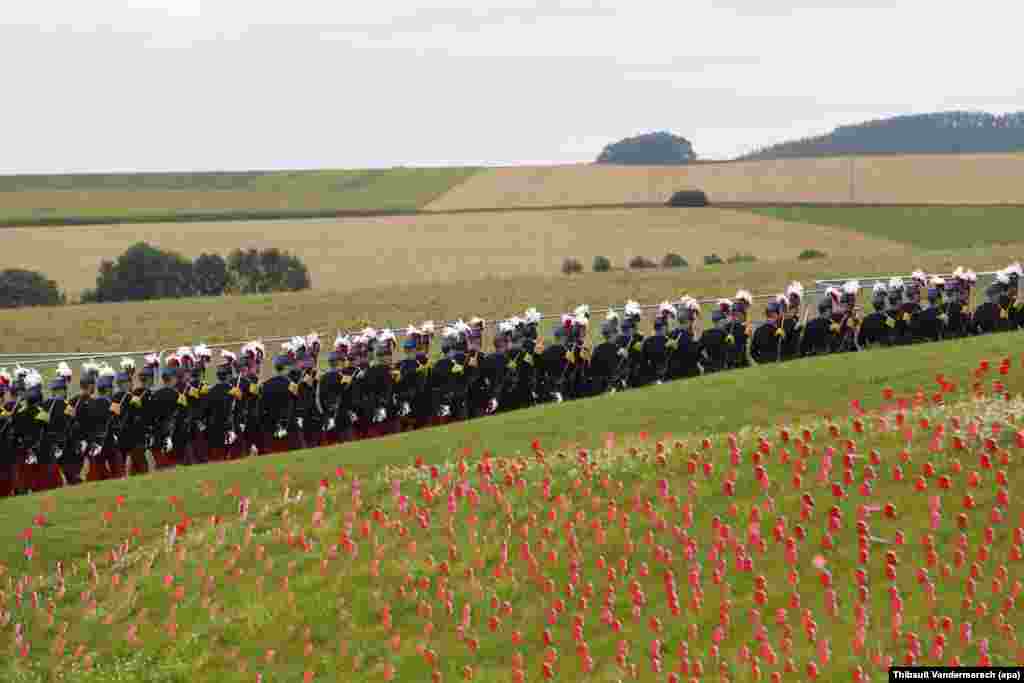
(27, 288)
(684, 198)
(673, 260)
(210, 273)
(143, 272)
(602, 264)
(641, 262)
(712, 260)
(571, 266)
(808, 254)
(267, 270)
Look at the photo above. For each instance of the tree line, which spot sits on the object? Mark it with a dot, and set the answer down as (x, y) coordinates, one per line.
(145, 272)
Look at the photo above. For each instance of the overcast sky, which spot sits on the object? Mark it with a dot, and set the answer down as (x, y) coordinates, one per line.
(225, 84)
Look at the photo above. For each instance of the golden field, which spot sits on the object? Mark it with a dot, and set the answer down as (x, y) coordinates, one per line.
(902, 179)
(358, 253)
(154, 325)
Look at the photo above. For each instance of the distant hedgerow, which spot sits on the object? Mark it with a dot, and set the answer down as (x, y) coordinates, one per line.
(571, 266)
(741, 258)
(673, 260)
(602, 264)
(808, 254)
(641, 262)
(712, 260)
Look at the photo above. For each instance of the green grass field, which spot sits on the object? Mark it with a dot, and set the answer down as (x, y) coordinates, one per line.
(100, 198)
(928, 227)
(344, 586)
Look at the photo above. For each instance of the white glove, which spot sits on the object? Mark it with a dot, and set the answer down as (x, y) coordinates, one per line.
(280, 433)
(405, 409)
(241, 427)
(445, 411)
(298, 421)
(330, 423)
(558, 397)
(253, 450)
(380, 415)
(353, 417)
(95, 450)
(492, 406)
(230, 437)
(200, 426)
(83, 447)
(168, 444)
(30, 459)
(623, 353)
(58, 453)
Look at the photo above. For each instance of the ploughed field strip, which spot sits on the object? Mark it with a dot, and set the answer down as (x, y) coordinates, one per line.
(167, 414)
(897, 179)
(357, 253)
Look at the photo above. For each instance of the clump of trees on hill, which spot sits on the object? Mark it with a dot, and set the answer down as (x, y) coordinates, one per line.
(145, 272)
(28, 288)
(944, 132)
(661, 148)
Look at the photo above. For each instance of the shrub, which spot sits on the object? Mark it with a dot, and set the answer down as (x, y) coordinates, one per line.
(639, 262)
(269, 270)
(602, 264)
(808, 254)
(673, 260)
(27, 288)
(713, 260)
(741, 258)
(210, 272)
(688, 198)
(571, 266)
(143, 272)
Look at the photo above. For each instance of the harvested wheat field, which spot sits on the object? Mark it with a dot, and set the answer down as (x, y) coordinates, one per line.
(350, 253)
(169, 323)
(908, 179)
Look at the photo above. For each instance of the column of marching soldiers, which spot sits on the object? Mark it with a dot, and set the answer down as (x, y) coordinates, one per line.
(165, 413)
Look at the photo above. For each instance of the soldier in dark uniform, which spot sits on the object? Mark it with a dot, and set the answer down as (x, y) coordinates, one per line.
(313, 416)
(409, 381)
(185, 427)
(122, 412)
(423, 406)
(654, 365)
(18, 456)
(7, 471)
(443, 386)
(605, 359)
(378, 383)
(930, 323)
(878, 326)
(1016, 308)
(683, 345)
(479, 391)
(162, 412)
(714, 341)
(633, 342)
(994, 314)
(769, 337)
(739, 330)
(55, 430)
(197, 393)
(816, 333)
(577, 376)
(900, 334)
(277, 403)
(220, 409)
(845, 322)
(26, 430)
(958, 302)
(137, 438)
(87, 426)
(249, 424)
(521, 384)
(793, 322)
(99, 420)
(494, 366)
(913, 297)
(554, 363)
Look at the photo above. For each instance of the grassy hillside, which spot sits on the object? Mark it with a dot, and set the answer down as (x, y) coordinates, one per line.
(893, 179)
(345, 583)
(171, 323)
(927, 227)
(358, 253)
(148, 197)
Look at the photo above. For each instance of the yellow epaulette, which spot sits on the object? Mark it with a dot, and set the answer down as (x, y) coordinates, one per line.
(396, 375)
(254, 389)
(136, 401)
(182, 400)
(293, 388)
(779, 332)
(569, 358)
(235, 393)
(193, 393)
(345, 379)
(638, 346)
(204, 389)
(1004, 314)
(906, 317)
(528, 359)
(457, 369)
(890, 322)
(672, 344)
(43, 416)
(69, 410)
(729, 339)
(834, 327)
